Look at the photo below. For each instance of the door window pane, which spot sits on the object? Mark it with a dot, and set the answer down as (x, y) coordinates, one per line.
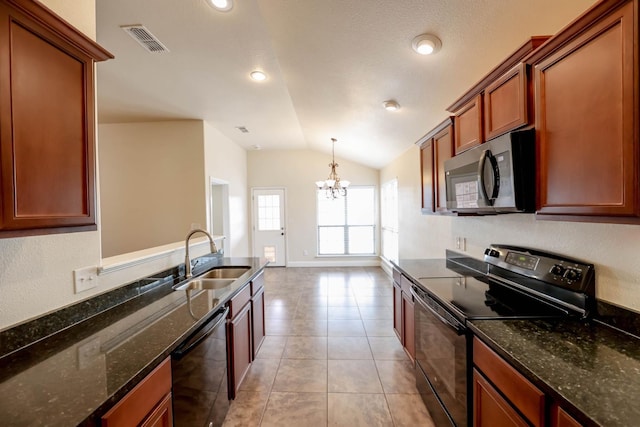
(269, 212)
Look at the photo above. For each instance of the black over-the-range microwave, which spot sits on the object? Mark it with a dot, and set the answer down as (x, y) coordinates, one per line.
(495, 177)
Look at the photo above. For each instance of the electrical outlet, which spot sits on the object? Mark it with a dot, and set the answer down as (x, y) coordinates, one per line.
(305, 252)
(461, 243)
(85, 278)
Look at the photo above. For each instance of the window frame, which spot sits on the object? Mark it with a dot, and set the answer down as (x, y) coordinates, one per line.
(346, 226)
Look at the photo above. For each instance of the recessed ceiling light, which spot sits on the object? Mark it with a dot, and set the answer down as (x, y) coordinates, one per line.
(258, 75)
(426, 44)
(391, 105)
(221, 5)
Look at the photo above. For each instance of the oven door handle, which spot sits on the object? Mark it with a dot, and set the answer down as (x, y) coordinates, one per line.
(190, 343)
(460, 329)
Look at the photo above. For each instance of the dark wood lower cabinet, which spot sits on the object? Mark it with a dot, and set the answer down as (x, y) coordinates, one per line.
(397, 310)
(490, 409)
(257, 320)
(403, 313)
(148, 404)
(239, 341)
(408, 325)
(162, 416)
(559, 418)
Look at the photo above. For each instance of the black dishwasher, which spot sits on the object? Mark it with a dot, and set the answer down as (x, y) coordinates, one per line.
(199, 375)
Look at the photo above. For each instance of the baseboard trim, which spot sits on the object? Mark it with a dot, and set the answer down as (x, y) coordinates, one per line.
(335, 263)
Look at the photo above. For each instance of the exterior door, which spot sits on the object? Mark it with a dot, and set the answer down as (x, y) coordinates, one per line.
(268, 225)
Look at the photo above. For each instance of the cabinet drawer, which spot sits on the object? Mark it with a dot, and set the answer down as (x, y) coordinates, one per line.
(257, 283)
(138, 403)
(238, 302)
(505, 103)
(522, 394)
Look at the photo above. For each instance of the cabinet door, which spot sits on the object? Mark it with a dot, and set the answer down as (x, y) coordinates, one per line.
(522, 394)
(426, 170)
(397, 311)
(140, 404)
(161, 416)
(559, 418)
(585, 118)
(257, 320)
(240, 356)
(408, 325)
(468, 125)
(505, 103)
(442, 150)
(47, 159)
(490, 409)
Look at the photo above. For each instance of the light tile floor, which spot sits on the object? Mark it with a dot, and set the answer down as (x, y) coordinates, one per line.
(330, 357)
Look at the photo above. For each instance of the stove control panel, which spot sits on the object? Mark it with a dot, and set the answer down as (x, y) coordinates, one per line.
(549, 267)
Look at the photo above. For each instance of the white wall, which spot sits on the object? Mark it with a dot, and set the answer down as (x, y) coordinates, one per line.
(36, 272)
(297, 171)
(151, 187)
(227, 161)
(612, 248)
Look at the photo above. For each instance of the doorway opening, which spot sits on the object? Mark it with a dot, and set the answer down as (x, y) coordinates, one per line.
(219, 212)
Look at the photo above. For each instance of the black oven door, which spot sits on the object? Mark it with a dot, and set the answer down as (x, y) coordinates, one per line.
(441, 355)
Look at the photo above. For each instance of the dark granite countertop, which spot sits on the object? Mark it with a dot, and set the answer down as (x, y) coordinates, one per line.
(592, 370)
(72, 377)
(417, 269)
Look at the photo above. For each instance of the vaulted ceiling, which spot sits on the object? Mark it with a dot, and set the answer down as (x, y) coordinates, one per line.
(330, 65)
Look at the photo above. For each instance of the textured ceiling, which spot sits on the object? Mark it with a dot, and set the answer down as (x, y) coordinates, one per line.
(331, 64)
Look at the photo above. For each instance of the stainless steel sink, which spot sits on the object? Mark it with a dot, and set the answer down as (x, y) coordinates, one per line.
(204, 283)
(225, 273)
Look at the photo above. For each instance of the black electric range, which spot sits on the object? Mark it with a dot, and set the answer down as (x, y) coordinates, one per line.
(510, 283)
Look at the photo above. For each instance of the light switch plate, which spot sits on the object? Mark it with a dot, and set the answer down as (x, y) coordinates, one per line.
(85, 278)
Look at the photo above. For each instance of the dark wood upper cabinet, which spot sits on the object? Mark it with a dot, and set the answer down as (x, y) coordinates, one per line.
(47, 122)
(506, 103)
(586, 97)
(426, 172)
(442, 150)
(435, 147)
(498, 103)
(468, 125)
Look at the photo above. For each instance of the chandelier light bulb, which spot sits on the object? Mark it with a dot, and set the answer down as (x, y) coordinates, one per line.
(333, 186)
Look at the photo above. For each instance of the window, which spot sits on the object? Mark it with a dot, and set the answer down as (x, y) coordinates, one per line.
(389, 219)
(346, 225)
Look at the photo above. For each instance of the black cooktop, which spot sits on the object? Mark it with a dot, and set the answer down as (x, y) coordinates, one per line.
(472, 297)
(513, 282)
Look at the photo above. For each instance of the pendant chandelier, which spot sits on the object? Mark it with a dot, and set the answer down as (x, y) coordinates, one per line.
(333, 186)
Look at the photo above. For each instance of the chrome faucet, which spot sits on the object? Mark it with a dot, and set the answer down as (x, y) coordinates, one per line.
(187, 260)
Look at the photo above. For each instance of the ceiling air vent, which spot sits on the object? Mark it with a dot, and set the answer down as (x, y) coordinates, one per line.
(145, 38)
(242, 129)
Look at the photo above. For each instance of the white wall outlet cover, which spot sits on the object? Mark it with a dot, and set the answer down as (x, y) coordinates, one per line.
(85, 278)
